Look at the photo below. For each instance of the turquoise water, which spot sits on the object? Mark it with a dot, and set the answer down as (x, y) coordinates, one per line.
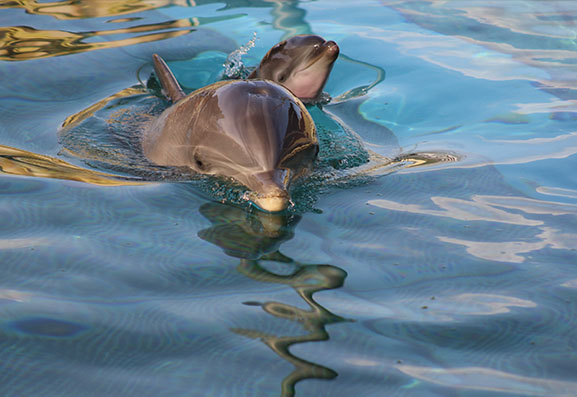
(432, 252)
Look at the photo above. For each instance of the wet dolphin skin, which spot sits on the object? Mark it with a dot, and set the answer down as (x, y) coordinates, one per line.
(254, 131)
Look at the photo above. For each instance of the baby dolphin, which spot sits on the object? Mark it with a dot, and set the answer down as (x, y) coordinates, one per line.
(301, 63)
(256, 132)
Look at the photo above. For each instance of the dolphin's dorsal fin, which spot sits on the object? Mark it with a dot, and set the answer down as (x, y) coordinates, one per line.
(170, 87)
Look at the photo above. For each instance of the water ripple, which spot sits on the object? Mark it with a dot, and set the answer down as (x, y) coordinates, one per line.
(490, 380)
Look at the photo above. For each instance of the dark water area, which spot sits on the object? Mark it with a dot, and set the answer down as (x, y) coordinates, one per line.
(432, 251)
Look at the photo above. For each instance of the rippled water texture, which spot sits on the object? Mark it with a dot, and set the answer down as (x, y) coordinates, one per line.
(432, 252)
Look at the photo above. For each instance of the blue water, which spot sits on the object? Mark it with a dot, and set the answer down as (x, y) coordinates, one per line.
(432, 252)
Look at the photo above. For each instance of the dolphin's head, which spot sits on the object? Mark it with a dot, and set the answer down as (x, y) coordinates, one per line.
(258, 134)
(302, 64)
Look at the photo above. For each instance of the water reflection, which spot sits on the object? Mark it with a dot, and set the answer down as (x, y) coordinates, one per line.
(511, 251)
(489, 380)
(26, 42)
(21, 162)
(537, 34)
(255, 238)
(290, 18)
(510, 210)
(21, 43)
(89, 111)
(286, 12)
(79, 9)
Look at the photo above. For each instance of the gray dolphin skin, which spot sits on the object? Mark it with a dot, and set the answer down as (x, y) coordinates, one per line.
(254, 131)
(301, 63)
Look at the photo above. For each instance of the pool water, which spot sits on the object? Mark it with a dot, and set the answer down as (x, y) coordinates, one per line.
(432, 251)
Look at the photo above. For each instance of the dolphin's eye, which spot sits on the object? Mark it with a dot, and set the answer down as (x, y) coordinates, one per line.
(279, 46)
(200, 164)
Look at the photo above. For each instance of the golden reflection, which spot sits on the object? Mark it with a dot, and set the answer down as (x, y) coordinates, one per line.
(78, 9)
(287, 16)
(381, 165)
(20, 162)
(418, 159)
(89, 111)
(250, 237)
(20, 43)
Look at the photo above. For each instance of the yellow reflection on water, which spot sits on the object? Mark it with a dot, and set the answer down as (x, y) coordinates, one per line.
(21, 162)
(78, 9)
(89, 111)
(21, 43)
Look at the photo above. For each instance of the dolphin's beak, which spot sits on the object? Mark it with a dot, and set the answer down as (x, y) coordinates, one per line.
(328, 51)
(272, 194)
(272, 203)
(331, 48)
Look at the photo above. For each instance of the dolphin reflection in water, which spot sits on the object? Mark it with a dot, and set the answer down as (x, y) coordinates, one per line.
(255, 239)
(257, 131)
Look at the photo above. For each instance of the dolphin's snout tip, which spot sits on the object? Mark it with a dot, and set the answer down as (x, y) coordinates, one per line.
(272, 202)
(270, 191)
(332, 47)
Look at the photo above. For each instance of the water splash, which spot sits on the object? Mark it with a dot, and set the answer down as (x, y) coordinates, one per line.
(233, 66)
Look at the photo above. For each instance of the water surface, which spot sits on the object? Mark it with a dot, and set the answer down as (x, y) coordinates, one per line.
(432, 252)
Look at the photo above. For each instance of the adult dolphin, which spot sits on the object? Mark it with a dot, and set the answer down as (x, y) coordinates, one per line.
(254, 131)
